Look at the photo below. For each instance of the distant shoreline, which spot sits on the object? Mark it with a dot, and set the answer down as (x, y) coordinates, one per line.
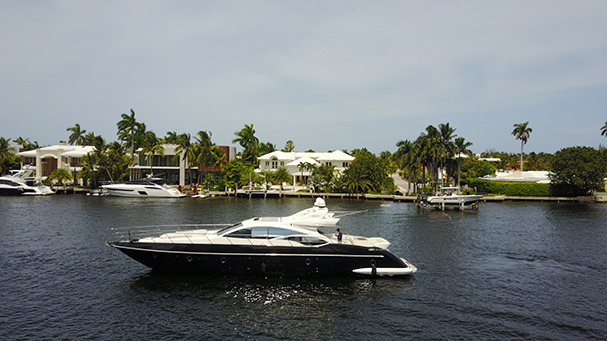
(413, 199)
(599, 198)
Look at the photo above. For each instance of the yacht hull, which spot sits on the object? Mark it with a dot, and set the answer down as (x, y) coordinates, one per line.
(141, 192)
(23, 191)
(327, 260)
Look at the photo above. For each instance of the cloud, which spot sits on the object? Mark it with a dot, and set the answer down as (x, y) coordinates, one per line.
(355, 73)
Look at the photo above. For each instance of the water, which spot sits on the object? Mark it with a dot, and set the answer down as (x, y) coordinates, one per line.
(507, 271)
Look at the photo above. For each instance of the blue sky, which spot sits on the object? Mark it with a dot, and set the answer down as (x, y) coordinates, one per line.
(325, 74)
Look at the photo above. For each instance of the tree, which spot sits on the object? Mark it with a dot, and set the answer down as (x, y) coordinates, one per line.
(77, 135)
(461, 147)
(185, 150)
(62, 175)
(289, 146)
(6, 152)
(150, 147)
(88, 164)
(577, 171)
(118, 161)
(521, 132)
(126, 129)
(171, 138)
(446, 146)
(247, 140)
(234, 171)
(91, 139)
(203, 150)
(604, 129)
(27, 145)
(322, 180)
(265, 148)
(365, 174)
(406, 159)
(281, 175)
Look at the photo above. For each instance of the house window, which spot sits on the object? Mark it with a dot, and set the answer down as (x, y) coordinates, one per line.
(267, 163)
(328, 163)
(282, 163)
(344, 165)
(274, 164)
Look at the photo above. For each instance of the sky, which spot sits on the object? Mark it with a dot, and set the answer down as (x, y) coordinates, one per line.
(327, 75)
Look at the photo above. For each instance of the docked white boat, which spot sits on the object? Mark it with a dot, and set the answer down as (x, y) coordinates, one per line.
(262, 247)
(22, 183)
(449, 198)
(148, 187)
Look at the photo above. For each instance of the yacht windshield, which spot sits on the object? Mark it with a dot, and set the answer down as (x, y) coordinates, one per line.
(229, 229)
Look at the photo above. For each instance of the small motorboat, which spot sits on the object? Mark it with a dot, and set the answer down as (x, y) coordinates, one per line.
(448, 198)
(266, 246)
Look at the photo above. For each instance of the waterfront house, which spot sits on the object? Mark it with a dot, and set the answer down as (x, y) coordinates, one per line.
(296, 162)
(46, 159)
(174, 170)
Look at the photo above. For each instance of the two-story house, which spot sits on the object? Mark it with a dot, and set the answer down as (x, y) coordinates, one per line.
(295, 162)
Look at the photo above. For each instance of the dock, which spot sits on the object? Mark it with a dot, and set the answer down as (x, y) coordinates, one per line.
(408, 198)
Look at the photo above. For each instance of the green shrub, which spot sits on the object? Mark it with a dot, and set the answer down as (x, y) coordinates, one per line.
(523, 189)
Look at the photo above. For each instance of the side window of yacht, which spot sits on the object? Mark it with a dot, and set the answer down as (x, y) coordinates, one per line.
(313, 241)
(270, 232)
(274, 232)
(243, 233)
(309, 241)
(9, 183)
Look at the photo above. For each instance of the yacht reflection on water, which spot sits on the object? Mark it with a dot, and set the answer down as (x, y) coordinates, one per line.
(268, 246)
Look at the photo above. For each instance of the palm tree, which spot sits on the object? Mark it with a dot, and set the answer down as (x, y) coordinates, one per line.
(88, 164)
(446, 146)
(171, 137)
(265, 148)
(6, 151)
(247, 140)
(126, 129)
(91, 139)
(27, 145)
(204, 156)
(77, 135)
(62, 175)
(185, 150)
(604, 129)
(119, 161)
(281, 175)
(404, 159)
(461, 147)
(289, 146)
(150, 147)
(521, 132)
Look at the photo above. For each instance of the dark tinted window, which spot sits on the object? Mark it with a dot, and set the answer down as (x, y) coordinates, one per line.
(243, 233)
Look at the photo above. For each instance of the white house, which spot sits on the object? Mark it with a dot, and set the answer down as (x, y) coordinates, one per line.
(294, 162)
(62, 155)
(47, 159)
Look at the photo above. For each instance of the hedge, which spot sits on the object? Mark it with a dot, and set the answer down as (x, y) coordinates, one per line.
(522, 189)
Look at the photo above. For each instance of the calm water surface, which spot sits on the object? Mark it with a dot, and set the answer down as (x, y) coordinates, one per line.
(507, 271)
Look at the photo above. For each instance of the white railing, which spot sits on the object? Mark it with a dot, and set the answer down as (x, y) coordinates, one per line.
(174, 234)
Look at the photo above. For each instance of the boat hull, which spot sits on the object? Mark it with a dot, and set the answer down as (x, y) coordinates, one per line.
(141, 192)
(23, 191)
(205, 259)
(456, 201)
